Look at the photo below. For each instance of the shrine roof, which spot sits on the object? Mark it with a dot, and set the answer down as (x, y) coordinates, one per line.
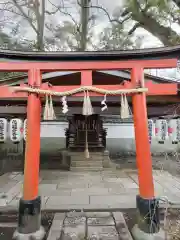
(137, 54)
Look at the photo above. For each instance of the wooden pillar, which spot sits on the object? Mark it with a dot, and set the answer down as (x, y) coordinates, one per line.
(29, 222)
(143, 153)
(86, 78)
(146, 203)
(32, 152)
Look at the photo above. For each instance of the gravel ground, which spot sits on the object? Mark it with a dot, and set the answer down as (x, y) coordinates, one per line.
(167, 162)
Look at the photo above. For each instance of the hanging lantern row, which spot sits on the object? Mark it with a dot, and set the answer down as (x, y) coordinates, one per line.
(174, 130)
(151, 129)
(163, 130)
(25, 129)
(15, 129)
(3, 130)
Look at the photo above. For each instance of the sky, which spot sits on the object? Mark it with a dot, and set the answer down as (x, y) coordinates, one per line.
(71, 5)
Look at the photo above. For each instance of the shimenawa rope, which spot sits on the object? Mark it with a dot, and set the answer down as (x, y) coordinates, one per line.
(77, 90)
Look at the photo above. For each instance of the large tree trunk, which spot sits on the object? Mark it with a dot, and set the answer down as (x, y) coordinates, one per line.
(84, 23)
(165, 34)
(38, 8)
(40, 18)
(177, 2)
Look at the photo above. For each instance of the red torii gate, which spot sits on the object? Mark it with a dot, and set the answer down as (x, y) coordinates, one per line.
(31, 202)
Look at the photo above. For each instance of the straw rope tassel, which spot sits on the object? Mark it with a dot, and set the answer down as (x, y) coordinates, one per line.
(86, 143)
(87, 111)
(126, 108)
(87, 106)
(84, 110)
(122, 107)
(52, 115)
(46, 109)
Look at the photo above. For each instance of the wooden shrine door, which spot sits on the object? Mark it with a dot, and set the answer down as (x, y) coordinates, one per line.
(79, 125)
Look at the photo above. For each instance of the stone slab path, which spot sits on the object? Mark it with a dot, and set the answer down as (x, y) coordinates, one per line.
(64, 190)
(90, 225)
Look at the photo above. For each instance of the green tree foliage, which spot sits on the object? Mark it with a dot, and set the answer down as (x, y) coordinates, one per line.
(115, 37)
(161, 18)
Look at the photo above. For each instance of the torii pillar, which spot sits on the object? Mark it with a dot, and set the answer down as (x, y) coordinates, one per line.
(29, 222)
(148, 226)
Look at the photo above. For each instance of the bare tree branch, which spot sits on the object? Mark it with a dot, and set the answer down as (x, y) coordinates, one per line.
(59, 8)
(11, 11)
(133, 29)
(107, 13)
(25, 15)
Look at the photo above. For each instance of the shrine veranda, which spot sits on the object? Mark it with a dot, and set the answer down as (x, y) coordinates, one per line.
(91, 134)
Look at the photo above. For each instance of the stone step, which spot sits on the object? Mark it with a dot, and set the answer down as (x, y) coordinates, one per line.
(86, 163)
(56, 226)
(83, 158)
(87, 160)
(85, 169)
(82, 153)
(89, 225)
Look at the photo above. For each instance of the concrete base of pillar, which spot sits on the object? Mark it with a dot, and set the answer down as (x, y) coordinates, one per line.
(38, 235)
(148, 215)
(148, 227)
(138, 234)
(29, 221)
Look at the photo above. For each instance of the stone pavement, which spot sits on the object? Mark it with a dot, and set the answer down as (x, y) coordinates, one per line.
(91, 226)
(64, 190)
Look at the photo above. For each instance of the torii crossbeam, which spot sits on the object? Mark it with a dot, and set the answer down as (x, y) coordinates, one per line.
(30, 203)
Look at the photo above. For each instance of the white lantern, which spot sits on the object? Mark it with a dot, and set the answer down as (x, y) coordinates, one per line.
(16, 130)
(25, 129)
(161, 130)
(151, 129)
(174, 130)
(3, 130)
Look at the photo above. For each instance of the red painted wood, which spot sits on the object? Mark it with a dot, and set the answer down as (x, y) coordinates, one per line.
(161, 89)
(90, 65)
(86, 78)
(143, 153)
(32, 154)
